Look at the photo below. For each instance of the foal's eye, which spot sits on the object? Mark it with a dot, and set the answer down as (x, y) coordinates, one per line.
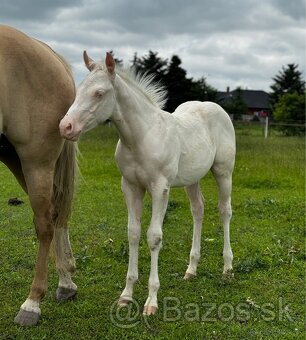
(98, 94)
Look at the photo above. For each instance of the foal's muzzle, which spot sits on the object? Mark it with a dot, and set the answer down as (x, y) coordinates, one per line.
(68, 129)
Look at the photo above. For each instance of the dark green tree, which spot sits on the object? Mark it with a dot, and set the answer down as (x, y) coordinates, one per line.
(171, 75)
(150, 64)
(178, 85)
(290, 109)
(288, 80)
(203, 91)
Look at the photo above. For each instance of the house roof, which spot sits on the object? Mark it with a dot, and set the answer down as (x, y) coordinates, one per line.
(256, 99)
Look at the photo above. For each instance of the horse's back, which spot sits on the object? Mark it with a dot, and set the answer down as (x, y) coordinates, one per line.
(34, 82)
(208, 117)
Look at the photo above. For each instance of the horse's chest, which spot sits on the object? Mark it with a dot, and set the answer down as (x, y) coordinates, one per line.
(130, 166)
(137, 169)
(135, 172)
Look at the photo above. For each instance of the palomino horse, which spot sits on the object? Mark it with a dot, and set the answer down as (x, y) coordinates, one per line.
(156, 151)
(36, 90)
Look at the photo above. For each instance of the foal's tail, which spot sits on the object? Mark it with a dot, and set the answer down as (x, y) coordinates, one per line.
(66, 171)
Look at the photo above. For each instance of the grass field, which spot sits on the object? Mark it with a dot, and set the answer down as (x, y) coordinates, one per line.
(265, 300)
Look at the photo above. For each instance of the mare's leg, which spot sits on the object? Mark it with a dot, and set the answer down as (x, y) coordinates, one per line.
(134, 200)
(39, 180)
(197, 209)
(160, 195)
(65, 264)
(224, 182)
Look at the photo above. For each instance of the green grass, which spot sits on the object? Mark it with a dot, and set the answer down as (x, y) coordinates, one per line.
(264, 300)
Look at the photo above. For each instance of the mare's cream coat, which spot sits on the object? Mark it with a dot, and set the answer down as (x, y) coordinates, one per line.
(36, 90)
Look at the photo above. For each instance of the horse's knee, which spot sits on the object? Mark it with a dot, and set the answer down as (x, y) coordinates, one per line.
(225, 209)
(154, 240)
(44, 228)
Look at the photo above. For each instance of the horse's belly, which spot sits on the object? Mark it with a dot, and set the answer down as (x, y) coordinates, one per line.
(192, 169)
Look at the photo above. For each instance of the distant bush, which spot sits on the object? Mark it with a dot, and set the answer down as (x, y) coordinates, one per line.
(290, 109)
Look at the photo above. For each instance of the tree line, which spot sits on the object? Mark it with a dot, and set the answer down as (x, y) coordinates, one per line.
(171, 75)
(287, 96)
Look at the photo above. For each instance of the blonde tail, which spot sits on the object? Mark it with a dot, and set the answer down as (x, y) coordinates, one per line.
(66, 172)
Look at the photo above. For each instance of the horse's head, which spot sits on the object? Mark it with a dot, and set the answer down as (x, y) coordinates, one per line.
(95, 99)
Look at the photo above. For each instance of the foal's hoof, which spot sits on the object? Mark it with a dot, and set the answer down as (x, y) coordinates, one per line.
(123, 302)
(63, 293)
(228, 275)
(189, 276)
(26, 318)
(149, 310)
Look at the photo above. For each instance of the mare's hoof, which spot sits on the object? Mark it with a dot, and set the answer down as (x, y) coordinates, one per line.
(26, 318)
(149, 310)
(189, 276)
(63, 293)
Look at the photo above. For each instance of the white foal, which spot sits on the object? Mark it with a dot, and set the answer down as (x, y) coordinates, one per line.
(157, 150)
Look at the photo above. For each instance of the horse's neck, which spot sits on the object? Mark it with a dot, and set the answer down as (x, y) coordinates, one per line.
(134, 113)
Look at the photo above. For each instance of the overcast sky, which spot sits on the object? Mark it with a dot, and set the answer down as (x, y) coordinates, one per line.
(229, 42)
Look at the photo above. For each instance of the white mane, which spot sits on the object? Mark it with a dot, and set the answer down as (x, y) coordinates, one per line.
(146, 83)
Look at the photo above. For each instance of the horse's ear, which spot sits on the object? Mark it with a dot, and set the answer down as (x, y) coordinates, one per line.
(90, 64)
(110, 63)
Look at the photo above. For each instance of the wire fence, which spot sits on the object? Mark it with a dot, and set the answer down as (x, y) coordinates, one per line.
(268, 128)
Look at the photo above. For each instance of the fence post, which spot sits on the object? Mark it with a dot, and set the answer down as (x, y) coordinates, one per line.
(266, 127)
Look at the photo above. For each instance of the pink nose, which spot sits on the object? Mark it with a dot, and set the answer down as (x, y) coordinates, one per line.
(67, 128)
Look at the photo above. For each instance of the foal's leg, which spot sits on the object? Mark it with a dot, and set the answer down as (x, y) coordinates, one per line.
(39, 180)
(197, 209)
(160, 196)
(134, 199)
(65, 264)
(224, 181)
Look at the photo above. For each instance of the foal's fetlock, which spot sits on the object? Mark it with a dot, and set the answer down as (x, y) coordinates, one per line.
(189, 276)
(150, 307)
(149, 310)
(228, 274)
(124, 301)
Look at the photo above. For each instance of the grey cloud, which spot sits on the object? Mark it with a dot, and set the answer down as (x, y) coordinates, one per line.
(230, 41)
(36, 10)
(295, 9)
(167, 17)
